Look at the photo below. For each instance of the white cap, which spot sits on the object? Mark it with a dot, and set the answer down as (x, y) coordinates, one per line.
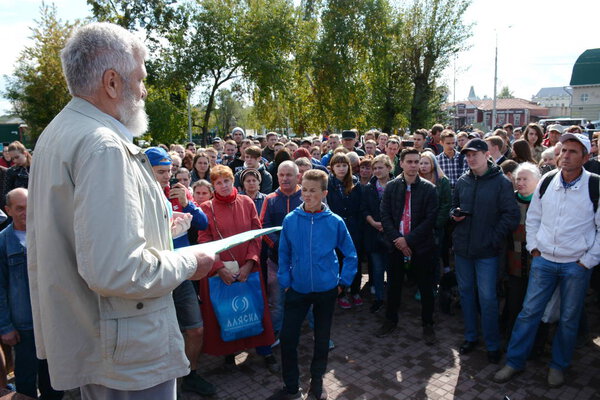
(555, 127)
(583, 139)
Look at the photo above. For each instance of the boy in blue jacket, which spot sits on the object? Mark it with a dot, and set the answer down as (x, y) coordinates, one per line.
(309, 273)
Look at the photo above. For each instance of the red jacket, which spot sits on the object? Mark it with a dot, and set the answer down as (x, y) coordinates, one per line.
(232, 218)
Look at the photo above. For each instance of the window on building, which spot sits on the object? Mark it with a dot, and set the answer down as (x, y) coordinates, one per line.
(517, 120)
(584, 97)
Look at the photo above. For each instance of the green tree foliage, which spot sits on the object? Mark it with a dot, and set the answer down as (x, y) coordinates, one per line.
(433, 31)
(229, 111)
(167, 112)
(226, 40)
(505, 93)
(37, 89)
(319, 64)
(152, 15)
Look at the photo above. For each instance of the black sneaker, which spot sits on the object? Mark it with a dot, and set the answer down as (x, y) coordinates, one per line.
(272, 364)
(387, 328)
(317, 391)
(376, 306)
(429, 335)
(229, 364)
(494, 356)
(283, 394)
(317, 394)
(197, 384)
(467, 347)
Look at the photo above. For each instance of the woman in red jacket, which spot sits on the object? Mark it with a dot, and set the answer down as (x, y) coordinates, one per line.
(228, 214)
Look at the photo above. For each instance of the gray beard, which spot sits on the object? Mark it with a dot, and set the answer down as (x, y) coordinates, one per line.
(132, 114)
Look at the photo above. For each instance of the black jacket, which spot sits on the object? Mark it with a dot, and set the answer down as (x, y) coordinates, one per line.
(15, 177)
(346, 206)
(423, 205)
(495, 213)
(373, 239)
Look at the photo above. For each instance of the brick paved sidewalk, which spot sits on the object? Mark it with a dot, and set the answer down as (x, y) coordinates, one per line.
(401, 366)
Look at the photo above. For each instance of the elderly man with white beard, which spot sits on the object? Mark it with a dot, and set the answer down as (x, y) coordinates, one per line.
(101, 265)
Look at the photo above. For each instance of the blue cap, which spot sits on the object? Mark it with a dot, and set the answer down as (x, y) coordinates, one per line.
(158, 156)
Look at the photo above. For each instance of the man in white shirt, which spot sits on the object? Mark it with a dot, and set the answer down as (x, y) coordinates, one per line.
(563, 236)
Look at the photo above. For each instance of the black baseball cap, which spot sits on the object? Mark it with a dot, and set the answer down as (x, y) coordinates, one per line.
(348, 134)
(475, 145)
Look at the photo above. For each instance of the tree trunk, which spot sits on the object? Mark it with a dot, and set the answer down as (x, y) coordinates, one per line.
(420, 103)
(209, 109)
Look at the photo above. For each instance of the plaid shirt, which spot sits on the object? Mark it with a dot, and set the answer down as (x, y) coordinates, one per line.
(453, 167)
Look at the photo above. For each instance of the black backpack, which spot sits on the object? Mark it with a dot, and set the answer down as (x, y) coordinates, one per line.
(593, 186)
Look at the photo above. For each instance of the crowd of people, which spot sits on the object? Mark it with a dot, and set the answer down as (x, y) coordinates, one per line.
(514, 219)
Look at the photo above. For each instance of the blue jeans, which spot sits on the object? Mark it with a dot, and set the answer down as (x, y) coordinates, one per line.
(480, 274)
(379, 261)
(31, 373)
(544, 277)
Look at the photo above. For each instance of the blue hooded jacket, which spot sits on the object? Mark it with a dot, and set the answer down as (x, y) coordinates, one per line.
(307, 259)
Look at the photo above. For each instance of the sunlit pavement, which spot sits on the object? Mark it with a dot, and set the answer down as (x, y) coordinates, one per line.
(402, 366)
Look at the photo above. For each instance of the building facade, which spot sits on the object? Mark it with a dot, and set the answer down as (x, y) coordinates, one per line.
(585, 82)
(556, 99)
(518, 112)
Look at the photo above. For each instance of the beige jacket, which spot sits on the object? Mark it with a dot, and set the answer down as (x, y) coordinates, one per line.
(100, 267)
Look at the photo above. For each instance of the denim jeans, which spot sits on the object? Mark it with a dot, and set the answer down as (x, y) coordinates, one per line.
(296, 307)
(31, 372)
(379, 261)
(545, 275)
(482, 275)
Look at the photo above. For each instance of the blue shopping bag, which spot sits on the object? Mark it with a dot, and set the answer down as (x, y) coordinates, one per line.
(239, 307)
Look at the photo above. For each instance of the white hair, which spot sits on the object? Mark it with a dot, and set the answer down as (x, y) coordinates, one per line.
(529, 167)
(289, 164)
(95, 48)
(353, 157)
(548, 153)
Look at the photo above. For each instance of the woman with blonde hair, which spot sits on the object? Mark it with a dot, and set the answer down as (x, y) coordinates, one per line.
(430, 170)
(374, 240)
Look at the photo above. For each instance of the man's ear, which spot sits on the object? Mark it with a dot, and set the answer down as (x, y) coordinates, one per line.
(111, 82)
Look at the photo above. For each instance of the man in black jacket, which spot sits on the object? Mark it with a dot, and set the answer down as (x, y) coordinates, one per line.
(485, 211)
(408, 213)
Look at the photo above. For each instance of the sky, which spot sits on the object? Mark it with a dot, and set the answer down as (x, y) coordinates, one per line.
(538, 42)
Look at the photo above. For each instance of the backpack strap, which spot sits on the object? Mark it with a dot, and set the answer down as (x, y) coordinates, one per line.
(546, 181)
(594, 190)
(593, 187)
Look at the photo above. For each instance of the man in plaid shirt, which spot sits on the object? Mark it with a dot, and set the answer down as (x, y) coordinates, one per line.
(451, 162)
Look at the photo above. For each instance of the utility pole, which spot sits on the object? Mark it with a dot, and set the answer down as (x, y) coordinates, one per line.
(493, 123)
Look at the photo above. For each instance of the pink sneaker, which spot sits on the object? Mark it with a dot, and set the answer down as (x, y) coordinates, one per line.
(344, 302)
(356, 300)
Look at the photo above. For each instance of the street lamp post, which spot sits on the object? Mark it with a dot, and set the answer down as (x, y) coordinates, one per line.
(493, 122)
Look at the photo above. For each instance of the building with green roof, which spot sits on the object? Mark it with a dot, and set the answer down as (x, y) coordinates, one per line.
(585, 81)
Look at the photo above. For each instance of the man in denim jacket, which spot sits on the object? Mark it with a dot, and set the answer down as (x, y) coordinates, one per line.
(16, 324)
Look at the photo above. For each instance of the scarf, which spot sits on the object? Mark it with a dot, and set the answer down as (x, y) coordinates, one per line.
(525, 198)
(227, 199)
